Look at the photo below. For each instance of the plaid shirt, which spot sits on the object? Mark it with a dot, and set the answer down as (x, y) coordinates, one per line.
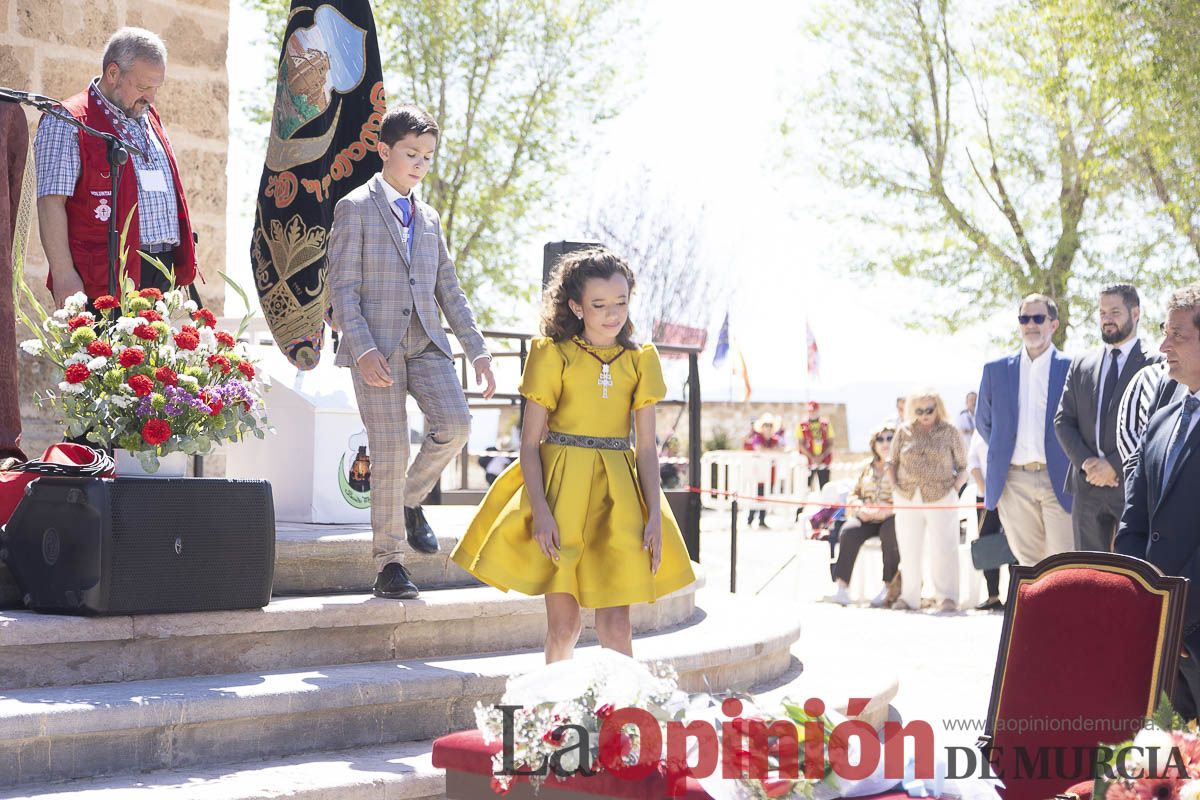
(56, 156)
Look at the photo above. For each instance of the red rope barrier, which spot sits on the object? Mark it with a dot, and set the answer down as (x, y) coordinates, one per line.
(818, 504)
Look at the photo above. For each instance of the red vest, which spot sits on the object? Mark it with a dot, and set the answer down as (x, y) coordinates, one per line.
(88, 209)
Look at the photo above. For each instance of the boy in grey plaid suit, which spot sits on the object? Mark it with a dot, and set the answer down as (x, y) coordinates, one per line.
(389, 275)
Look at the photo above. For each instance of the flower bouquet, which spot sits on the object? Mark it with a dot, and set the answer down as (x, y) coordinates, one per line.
(1161, 763)
(148, 372)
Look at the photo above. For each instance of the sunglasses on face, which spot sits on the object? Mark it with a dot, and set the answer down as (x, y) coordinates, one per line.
(887, 437)
(1036, 319)
(924, 412)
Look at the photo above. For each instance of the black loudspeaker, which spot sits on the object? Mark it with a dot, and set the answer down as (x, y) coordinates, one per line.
(142, 545)
(553, 251)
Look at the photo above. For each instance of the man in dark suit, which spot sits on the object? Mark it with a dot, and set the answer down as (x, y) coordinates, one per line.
(1160, 519)
(1026, 466)
(1086, 422)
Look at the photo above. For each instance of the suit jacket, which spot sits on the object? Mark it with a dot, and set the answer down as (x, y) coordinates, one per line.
(996, 420)
(1075, 422)
(1162, 525)
(375, 287)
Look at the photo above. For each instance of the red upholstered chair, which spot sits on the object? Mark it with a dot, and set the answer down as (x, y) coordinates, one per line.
(1090, 642)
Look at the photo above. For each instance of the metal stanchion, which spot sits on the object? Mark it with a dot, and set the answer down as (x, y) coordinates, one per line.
(733, 547)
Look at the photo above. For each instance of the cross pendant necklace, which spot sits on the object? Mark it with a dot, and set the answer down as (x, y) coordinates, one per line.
(605, 380)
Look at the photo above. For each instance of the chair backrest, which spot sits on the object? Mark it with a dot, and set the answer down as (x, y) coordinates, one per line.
(1090, 643)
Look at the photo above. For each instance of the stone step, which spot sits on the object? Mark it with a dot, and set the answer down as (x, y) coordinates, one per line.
(404, 771)
(400, 771)
(63, 733)
(327, 559)
(51, 650)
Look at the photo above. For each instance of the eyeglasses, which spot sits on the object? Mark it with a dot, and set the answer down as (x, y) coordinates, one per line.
(1176, 335)
(887, 437)
(1036, 319)
(924, 412)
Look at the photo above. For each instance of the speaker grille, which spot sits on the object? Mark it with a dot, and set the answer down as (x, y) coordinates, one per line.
(190, 545)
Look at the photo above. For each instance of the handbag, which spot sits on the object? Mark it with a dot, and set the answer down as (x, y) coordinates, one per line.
(991, 552)
(63, 459)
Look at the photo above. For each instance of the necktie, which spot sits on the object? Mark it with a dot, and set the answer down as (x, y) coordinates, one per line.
(1110, 388)
(403, 213)
(1190, 403)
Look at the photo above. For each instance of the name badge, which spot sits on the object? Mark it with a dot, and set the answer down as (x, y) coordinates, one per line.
(152, 180)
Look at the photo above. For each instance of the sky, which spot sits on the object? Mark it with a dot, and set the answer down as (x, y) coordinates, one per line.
(704, 129)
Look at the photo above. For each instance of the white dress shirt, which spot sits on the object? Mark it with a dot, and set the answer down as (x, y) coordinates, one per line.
(1032, 396)
(1105, 366)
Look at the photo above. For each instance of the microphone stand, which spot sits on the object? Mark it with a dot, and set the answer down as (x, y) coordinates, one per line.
(118, 155)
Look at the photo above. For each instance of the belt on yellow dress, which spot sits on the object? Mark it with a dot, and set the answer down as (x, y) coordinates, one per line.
(592, 442)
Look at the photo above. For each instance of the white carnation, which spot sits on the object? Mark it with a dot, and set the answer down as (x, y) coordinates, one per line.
(208, 339)
(189, 380)
(161, 308)
(32, 346)
(166, 353)
(97, 364)
(82, 357)
(51, 325)
(191, 307)
(121, 401)
(62, 315)
(75, 303)
(71, 388)
(127, 324)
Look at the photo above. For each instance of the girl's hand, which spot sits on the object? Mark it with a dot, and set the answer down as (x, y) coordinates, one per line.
(652, 541)
(545, 533)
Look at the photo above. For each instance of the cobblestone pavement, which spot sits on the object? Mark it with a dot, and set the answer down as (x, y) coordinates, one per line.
(944, 663)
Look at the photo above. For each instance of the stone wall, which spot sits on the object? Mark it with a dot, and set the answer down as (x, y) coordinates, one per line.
(53, 47)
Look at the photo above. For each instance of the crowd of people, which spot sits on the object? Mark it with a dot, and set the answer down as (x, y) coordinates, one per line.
(1054, 447)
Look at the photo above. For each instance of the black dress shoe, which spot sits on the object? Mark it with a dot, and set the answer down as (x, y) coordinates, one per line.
(990, 605)
(394, 584)
(420, 536)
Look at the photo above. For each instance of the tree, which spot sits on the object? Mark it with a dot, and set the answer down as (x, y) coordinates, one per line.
(513, 85)
(993, 149)
(662, 240)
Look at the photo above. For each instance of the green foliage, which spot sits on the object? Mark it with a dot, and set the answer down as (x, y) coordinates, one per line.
(719, 439)
(514, 84)
(995, 146)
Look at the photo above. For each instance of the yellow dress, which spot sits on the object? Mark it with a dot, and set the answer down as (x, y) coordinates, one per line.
(594, 494)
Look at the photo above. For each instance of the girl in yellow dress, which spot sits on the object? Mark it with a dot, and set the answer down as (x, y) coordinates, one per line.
(580, 517)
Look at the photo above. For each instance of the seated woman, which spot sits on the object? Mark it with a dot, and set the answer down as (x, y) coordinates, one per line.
(874, 488)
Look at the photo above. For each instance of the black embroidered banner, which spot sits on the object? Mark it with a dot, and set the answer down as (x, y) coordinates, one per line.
(329, 103)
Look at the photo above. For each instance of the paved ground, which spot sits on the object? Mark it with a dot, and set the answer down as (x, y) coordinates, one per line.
(944, 663)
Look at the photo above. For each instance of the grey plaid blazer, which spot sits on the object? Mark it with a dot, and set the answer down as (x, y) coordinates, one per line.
(374, 288)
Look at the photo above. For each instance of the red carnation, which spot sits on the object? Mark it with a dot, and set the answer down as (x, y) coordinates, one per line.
(145, 331)
(150, 315)
(187, 341)
(226, 338)
(156, 431)
(131, 357)
(78, 322)
(151, 294)
(500, 788)
(166, 375)
(247, 369)
(141, 385)
(220, 362)
(105, 302)
(215, 407)
(205, 316)
(99, 348)
(78, 373)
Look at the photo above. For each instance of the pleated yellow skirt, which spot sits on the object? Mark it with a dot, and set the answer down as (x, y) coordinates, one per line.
(601, 515)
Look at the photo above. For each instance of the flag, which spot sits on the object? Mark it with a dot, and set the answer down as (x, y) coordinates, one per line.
(814, 355)
(329, 104)
(721, 352)
(740, 369)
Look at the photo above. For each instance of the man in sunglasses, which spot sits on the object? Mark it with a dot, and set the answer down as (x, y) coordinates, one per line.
(1086, 423)
(1026, 466)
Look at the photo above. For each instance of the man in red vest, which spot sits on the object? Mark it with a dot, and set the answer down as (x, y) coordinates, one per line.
(814, 439)
(75, 198)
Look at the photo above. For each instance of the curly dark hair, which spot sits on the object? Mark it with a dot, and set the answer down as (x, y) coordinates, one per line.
(558, 321)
